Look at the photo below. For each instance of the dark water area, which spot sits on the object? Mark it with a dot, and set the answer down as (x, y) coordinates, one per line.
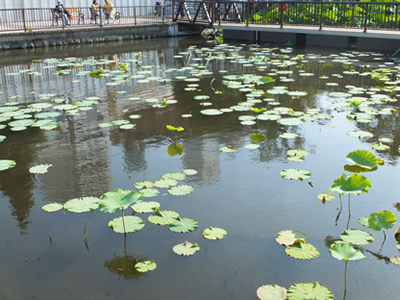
(46, 256)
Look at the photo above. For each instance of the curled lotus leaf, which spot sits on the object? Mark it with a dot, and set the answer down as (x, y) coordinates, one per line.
(132, 224)
(183, 225)
(172, 128)
(214, 233)
(344, 251)
(176, 176)
(186, 248)
(118, 199)
(181, 190)
(357, 237)
(289, 237)
(40, 169)
(354, 184)
(294, 174)
(165, 183)
(271, 292)
(52, 207)
(145, 207)
(163, 217)
(143, 185)
(83, 204)
(358, 169)
(309, 290)
(383, 220)
(302, 250)
(145, 266)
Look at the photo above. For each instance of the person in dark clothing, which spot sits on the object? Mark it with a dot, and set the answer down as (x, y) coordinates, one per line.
(60, 9)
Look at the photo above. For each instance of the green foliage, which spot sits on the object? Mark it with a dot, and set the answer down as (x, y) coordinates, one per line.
(213, 233)
(363, 159)
(354, 184)
(344, 251)
(271, 292)
(302, 250)
(383, 220)
(309, 290)
(83, 204)
(186, 248)
(112, 202)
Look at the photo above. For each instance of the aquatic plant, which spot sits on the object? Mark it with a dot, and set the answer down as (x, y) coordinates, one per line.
(382, 221)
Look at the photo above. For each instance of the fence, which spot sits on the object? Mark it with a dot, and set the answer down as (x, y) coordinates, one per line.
(365, 15)
(48, 18)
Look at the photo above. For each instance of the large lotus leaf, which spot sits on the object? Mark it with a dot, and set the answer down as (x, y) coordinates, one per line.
(363, 159)
(297, 152)
(165, 183)
(145, 207)
(149, 192)
(52, 207)
(213, 233)
(114, 201)
(163, 217)
(309, 291)
(145, 266)
(39, 169)
(183, 225)
(143, 185)
(186, 248)
(271, 292)
(257, 138)
(181, 190)
(357, 237)
(175, 149)
(132, 224)
(302, 250)
(383, 220)
(176, 176)
(342, 250)
(360, 134)
(295, 174)
(289, 237)
(227, 149)
(354, 184)
(7, 164)
(80, 205)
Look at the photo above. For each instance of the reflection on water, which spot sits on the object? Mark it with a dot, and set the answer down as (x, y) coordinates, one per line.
(241, 192)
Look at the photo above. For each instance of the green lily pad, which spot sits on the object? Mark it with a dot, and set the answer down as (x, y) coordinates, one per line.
(135, 116)
(251, 146)
(83, 204)
(183, 225)
(289, 237)
(163, 217)
(127, 126)
(211, 112)
(6, 164)
(363, 221)
(363, 159)
(120, 122)
(296, 174)
(189, 172)
(40, 169)
(227, 149)
(145, 266)
(302, 250)
(132, 224)
(297, 152)
(145, 207)
(309, 290)
(257, 138)
(213, 233)
(342, 250)
(360, 134)
(288, 135)
(165, 183)
(52, 207)
(291, 121)
(383, 220)
(357, 237)
(150, 192)
(181, 190)
(176, 176)
(186, 248)
(112, 202)
(380, 147)
(105, 125)
(271, 292)
(144, 185)
(354, 184)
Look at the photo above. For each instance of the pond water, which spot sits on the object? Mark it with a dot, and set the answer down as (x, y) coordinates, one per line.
(65, 255)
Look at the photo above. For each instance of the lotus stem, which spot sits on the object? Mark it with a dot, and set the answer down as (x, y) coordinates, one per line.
(123, 221)
(345, 280)
(348, 221)
(340, 210)
(384, 240)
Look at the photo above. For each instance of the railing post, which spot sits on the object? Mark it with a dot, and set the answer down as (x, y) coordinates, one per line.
(281, 21)
(23, 18)
(163, 13)
(366, 18)
(321, 15)
(134, 13)
(352, 16)
(397, 10)
(219, 9)
(101, 16)
(213, 14)
(247, 13)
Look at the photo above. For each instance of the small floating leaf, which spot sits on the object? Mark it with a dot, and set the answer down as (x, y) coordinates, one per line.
(295, 174)
(213, 233)
(227, 149)
(132, 224)
(357, 237)
(288, 135)
(326, 197)
(189, 172)
(176, 176)
(40, 169)
(145, 207)
(165, 183)
(271, 292)
(289, 237)
(380, 147)
(181, 190)
(302, 250)
(145, 266)
(186, 248)
(395, 260)
(360, 134)
(52, 207)
(143, 185)
(309, 290)
(149, 192)
(83, 204)
(163, 217)
(7, 164)
(183, 225)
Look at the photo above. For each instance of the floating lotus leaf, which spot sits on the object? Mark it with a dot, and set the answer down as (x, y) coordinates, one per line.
(144, 185)
(357, 237)
(252, 146)
(21, 123)
(118, 199)
(19, 128)
(295, 174)
(354, 184)
(165, 183)
(288, 135)
(40, 105)
(151, 192)
(40, 169)
(383, 220)
(358, 169)
(186, 248)
(145, 266)
(135, 116)
(227, 149)
(395, 260)
(211, 112)
(325, 197)
(120, 122)
(297, 93)
(385, 140)
(127, 126)
(186, 115)
(296, 158)
(380, 147)
(257, 138)
(83, 204)
(363, 221)
(52, 207)
(132, 224)
(271, 292)
(268, 117)
(46, 115)
(363, 159)
(189, 172)
(176, 176)
(181, 190)
(183, 225)
(175, 149)
(105, 125)
(201, 97)
(248, 123)
(213, 233)
(246, 118)
(2, 138)
(163, 217)
(297, 152)
(7, 164)
(145, 207)
(50, 125)
(309, 290)
(360, 134)
(342, 250)
(289, 237)
(302, 250)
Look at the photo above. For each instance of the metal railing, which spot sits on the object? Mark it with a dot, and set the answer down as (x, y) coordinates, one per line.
(362, 15)
(48, 18)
